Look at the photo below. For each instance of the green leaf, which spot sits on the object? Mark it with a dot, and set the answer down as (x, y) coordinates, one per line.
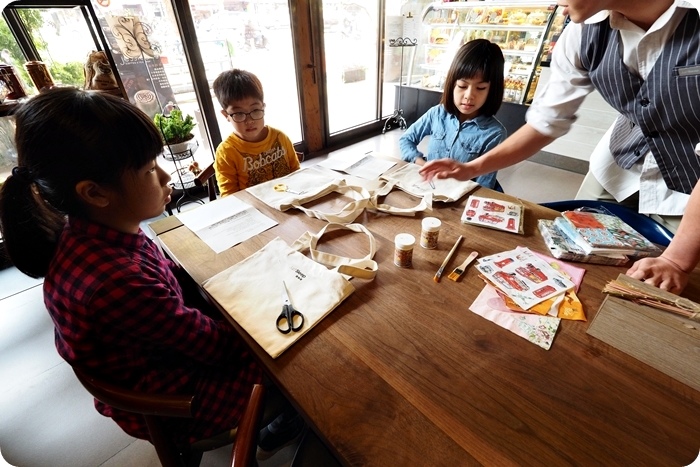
(175, 128)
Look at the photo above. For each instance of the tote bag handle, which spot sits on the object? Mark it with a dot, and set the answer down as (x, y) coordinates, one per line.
(362, 268)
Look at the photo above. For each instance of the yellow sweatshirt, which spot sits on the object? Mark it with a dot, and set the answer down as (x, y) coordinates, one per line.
(240, 164)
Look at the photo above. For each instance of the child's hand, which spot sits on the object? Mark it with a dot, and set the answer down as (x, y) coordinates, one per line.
(660, 272)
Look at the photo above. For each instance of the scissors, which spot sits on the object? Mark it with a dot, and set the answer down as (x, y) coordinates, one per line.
(289, 313)
(281, 187)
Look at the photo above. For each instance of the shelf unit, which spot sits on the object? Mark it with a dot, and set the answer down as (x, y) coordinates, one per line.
(522, 30)
(182, 178)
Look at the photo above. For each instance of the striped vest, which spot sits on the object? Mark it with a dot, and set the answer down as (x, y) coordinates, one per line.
(661, 114)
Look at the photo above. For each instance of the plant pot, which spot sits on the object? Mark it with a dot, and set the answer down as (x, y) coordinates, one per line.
(179, 151)
(177, 147)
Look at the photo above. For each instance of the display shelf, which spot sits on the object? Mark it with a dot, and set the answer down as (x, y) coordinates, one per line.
(170, 153)
(182, 179)
(185, 179)
(523, 30)
(397, 118)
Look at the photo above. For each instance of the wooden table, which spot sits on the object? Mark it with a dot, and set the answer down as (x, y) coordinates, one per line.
(402, 373)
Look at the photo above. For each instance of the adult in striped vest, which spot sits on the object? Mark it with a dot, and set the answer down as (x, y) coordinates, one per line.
(644, 59)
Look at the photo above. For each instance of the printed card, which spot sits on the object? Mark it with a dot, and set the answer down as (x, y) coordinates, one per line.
(523, 276)
(494, 213)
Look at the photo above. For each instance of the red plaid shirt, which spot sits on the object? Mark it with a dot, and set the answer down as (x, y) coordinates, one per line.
(119, 313)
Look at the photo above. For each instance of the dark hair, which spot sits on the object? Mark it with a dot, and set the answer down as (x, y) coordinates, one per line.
(235, 85)
(477, 57)
(66, 135)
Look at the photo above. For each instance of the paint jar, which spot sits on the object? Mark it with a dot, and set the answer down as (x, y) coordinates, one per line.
(403, 250)
(430, 229)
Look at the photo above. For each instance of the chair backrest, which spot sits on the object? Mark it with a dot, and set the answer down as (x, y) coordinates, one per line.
(206, 177)
(245, 447)
(157, 409)
(153, 407)
(648, 227)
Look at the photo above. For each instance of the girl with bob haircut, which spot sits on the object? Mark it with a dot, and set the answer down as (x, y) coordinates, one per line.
(86, 178)
(463, 126)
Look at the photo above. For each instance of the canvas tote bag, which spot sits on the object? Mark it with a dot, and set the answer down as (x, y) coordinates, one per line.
(408, 179)
(251, 291)
(315, 182)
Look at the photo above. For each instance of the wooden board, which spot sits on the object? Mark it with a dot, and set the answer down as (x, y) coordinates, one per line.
(662, 340)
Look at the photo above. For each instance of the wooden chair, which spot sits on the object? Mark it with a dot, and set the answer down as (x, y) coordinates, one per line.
(158, 409)
(208, 177)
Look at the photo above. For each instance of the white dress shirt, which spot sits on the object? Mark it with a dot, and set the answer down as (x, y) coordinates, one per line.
(554, 107)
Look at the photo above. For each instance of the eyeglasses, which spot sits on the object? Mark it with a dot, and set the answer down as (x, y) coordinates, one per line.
(239, 117)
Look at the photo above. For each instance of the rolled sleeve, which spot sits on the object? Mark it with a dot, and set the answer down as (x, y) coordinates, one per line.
(554, 107)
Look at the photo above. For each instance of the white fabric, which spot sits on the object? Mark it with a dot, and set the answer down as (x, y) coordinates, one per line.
(251, 292)
(555, 104)
(313, 183)
(408, 179)
(620, 183)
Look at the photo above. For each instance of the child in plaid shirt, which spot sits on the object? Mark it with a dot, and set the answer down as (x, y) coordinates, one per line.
(86, 178)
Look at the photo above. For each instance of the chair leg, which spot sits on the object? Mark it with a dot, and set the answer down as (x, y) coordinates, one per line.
(193, 458)
(169, 454)
(211, 189)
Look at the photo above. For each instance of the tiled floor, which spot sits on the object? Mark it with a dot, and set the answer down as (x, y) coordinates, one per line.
(48, 419)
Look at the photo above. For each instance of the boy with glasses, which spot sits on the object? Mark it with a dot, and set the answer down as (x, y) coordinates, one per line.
(254, 152)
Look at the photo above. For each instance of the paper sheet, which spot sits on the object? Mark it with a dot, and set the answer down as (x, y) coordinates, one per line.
(225, 222)
(363, 166)
(537, 329)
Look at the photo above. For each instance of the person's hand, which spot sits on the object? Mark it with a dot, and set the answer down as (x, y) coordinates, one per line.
(419, 161)
(445, 168)
(660, 272)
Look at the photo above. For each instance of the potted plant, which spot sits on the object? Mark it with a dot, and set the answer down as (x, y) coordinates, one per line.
(176, 129)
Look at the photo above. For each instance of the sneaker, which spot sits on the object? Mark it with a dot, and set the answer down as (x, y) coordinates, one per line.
(285, 435)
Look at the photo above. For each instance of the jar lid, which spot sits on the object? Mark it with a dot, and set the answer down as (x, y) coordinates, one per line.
(404, 241)
(431, 223)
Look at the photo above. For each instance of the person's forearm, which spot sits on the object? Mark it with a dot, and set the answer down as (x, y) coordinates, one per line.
(684, 250)
(525, 142)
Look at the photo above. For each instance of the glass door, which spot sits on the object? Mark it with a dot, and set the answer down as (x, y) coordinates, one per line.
(352, 69)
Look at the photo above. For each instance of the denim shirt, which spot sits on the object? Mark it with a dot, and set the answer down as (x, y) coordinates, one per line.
(448, 138)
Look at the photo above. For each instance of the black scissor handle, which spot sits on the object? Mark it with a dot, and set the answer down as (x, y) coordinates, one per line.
(288, 314)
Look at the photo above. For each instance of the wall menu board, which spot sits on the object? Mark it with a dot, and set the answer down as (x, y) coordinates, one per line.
(146, 84)
(521, 30)
(138, 64)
